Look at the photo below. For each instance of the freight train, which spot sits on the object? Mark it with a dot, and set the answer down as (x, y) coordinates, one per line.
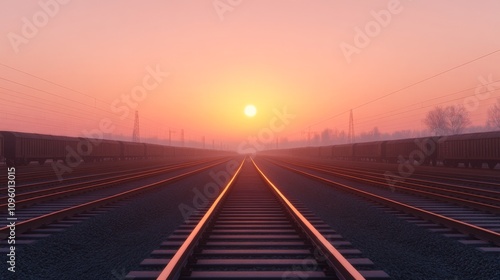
(19, 148)
(469, 150)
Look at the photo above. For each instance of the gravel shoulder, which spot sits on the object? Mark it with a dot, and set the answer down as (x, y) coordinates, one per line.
(402, 249)
(109, 245)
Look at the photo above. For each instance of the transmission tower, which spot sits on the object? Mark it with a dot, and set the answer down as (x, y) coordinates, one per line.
(350, 136)
(170, 131)
(182, 137)
(135, 134)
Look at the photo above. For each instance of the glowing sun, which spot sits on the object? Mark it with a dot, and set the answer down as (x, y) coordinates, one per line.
(250, 110)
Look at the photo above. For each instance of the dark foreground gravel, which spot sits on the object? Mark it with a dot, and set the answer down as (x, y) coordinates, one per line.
(109, 245)
(403, 250)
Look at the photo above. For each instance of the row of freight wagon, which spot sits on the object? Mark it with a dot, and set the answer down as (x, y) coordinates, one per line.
(473, 149)
(21, 148)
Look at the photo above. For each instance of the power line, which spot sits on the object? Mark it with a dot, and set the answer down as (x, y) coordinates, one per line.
(410, 85)
(65, 87)
(50, 82)
(431, 99)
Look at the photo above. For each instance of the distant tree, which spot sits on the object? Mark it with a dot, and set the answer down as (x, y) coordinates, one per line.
(342, 137)
(401, 134)
(376, 133)
(436, 121)
(494, 115)
(326, 136)
(315, 139)
(458, 119)
(449, 120)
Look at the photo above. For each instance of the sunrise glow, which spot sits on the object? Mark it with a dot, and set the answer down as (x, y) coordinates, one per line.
(250, 110)
(189, 69)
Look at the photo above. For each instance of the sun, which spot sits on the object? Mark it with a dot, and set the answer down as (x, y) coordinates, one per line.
(250, 110)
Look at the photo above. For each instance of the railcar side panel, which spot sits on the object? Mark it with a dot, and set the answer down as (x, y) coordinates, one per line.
(343, 152)
(370, 150)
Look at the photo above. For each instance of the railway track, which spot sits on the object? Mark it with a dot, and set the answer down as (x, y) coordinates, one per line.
(55, 210)
(38, 175)
(250, 231)
(435, 173)
(485, 198)
(30, 194)
(453, 213)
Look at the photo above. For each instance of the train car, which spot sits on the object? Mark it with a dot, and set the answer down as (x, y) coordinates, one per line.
(422, 150)
(100, 149)
(155, 150)
(343, 152)
(22, 148)
(326, 151)
(132, 150)
(169, 151)
(1, 148)
(370, 151)
(305, 152)
(473, 149)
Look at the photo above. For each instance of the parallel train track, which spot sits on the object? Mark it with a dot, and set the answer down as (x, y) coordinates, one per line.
(253, 231)
(456, 210)
(46, 212)
(29, 194)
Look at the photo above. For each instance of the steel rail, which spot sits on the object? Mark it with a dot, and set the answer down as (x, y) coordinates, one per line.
(177, 262)
(30, 198)
(106, 174)
(463, 227)
(344, 269)
(437, 195)
(73, 210)
(471, 190)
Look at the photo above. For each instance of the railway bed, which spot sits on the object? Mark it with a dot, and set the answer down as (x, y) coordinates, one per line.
(402, 245)
(53, 211)
(471, 224)
(252, 231)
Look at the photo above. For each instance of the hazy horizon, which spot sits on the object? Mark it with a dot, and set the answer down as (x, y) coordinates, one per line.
(193, 66)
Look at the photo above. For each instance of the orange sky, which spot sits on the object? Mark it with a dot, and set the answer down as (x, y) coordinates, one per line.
(220, 56)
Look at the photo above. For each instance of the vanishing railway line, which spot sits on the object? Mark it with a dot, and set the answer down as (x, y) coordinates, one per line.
(253, 231)
(36, 175)
(481, 178)
(458, 209)
(481, 196)
(52, 205)
(29, 194)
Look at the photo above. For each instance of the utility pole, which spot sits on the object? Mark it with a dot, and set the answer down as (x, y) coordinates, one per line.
(350, 136)
(309, 137)
(182, 137)
(135, 133)
(170, 136)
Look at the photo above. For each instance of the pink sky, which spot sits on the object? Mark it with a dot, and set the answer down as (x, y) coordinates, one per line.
(271, 53)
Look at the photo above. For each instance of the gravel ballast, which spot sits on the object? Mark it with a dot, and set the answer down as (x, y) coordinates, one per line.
(109, 245)
(402, 249)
